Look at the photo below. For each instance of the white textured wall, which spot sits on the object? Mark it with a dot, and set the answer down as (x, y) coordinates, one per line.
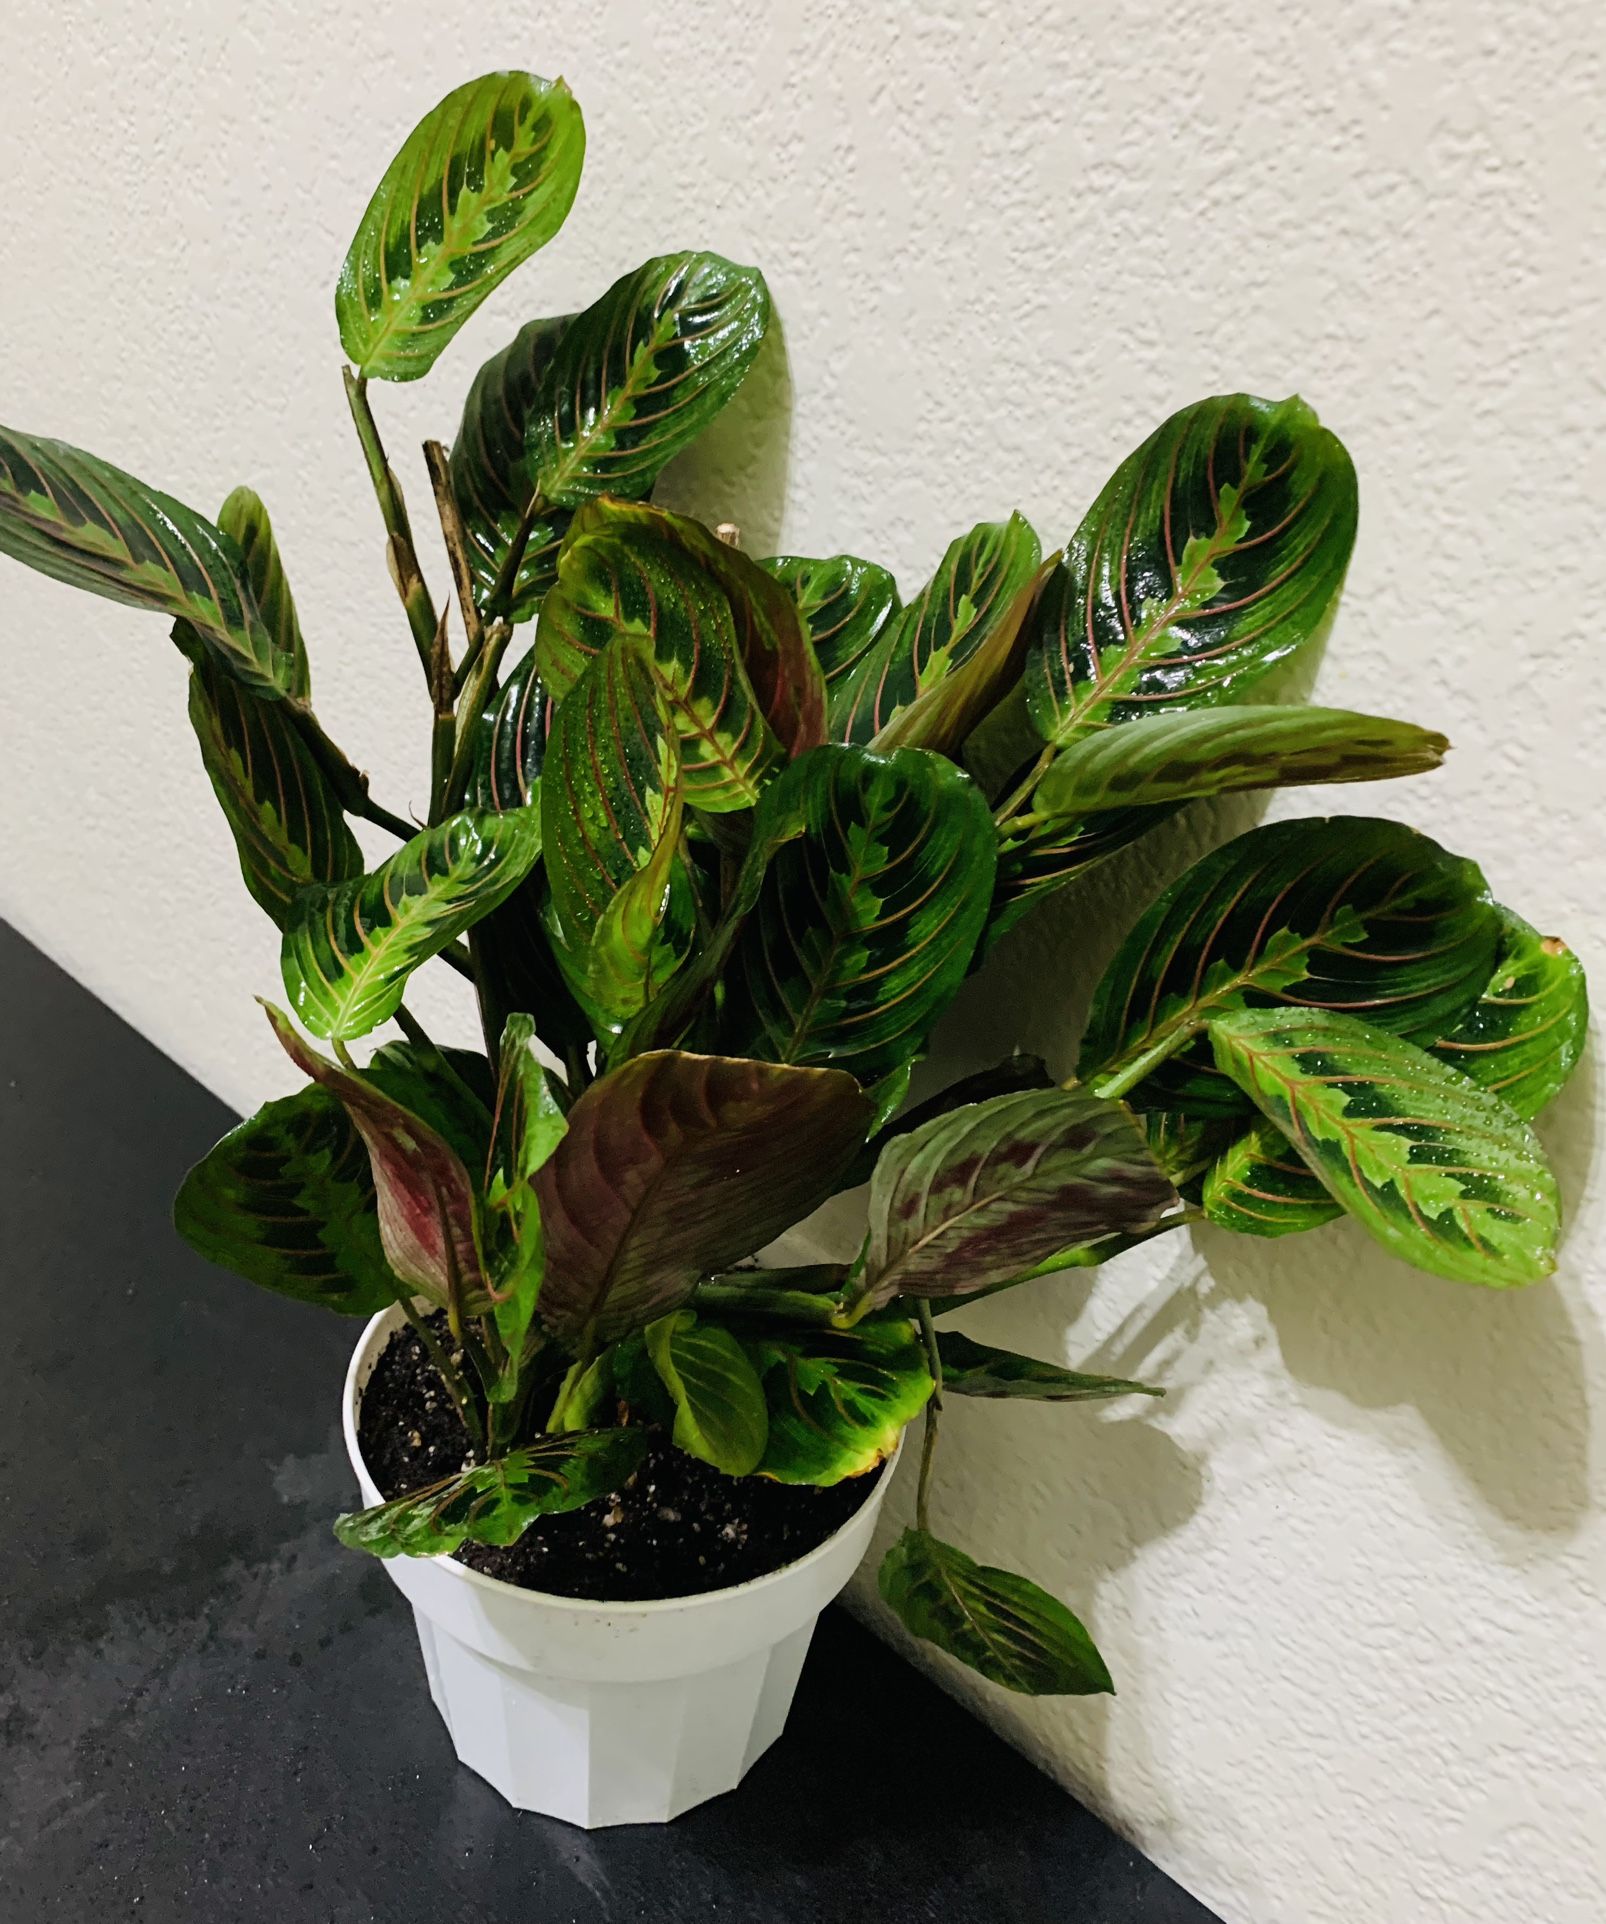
(1350, 1576)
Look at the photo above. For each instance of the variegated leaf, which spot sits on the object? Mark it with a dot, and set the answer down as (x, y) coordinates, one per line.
(845, 605)
(510, 743)
(1440, 1171)
(977, 1369)
(839, 1400)
(1215, 551)
(481, 182)
(349, 949)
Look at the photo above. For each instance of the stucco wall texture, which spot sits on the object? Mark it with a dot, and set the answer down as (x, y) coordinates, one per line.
(1349, 1574)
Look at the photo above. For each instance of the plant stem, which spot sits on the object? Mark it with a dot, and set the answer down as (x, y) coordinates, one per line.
(447, 1371)
(458, 959)
(370, 811)
(455, 535)
(443, 736)
(1022, 794)
(932, 1417)
(481, 686)
(402, 555)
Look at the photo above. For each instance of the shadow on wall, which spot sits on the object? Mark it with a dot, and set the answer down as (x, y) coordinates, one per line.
(736, 469)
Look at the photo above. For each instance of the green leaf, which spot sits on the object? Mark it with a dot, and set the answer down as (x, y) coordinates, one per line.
(450, 1089)
(981, 1195)
(845, 604)
(279, 803)
(641, 373)
(510, 743)
(529, 1125)
(481, 182)
(675, 1166)
(611, 810)
(492, 481)
(519, 970)
(1523, 1036)
(286, 1200)
(586, 1395)
(348, 950)
(497, 1502)
(976, 588)
(627, 579)
(1002, 1625)
(87, 523)
(1440, 1171)
(838, 1399)
(1259, 1187)
(720, 1415)
(428, 1214)
(1176, 757)
(244, 520)
(1215, 551)
(976, 1369)
(1037, 857)
(865, 923)
(1521, 1039)
(1344, 912)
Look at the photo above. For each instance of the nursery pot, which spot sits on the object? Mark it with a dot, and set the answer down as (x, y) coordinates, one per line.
(609, 1713)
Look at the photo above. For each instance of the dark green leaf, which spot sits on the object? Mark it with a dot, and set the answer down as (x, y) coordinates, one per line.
(286, 1200)
(611, 810)
(641, 373)
(1259, 1187)
(482, 181)
(275, 795)
(1523, 1036)
(428, 1217)
(1037, 857)
(720, 1415)
(845, 604)
(497, 1502)
(244, 519)
(864, 924)
(976, 1369)
(981, 1195)
(1440, 1171)
(450, 1089)
(1175, 757)
(975, 589)
(529, 1125)
(626, 578)
(510, 743)
(1345, 912)
(1002, 1625)
(491, 477)
(519, 970)
(348, 950)
(675, 1166)
(87, 523)
(838, 1399)
(1215, 551)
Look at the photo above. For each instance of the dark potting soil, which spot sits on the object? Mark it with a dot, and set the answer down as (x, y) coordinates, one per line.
(677, 1528)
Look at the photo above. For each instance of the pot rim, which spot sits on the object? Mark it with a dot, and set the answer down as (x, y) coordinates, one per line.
(384, 1324)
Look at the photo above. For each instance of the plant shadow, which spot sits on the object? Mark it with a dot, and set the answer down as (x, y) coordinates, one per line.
(736, 469)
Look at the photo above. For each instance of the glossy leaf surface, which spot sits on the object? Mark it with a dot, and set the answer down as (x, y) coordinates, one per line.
(838, 1399)
(425, 1197)
(497, 1502)
(1259, 1187)
(675, 1166)
(348, 950)
(280, 806)
(977, 1369)
(611, 810)
(243, 518)
(1346, 912)
(1036, 858)
(1214, 552)
(492, 482)
(626, 578)
(1177, 757)
(845, 605)
(985, 1193)
(1439, 1170)
(483, 180)
(865, 922)
(286, 1200)
(973, 591)
(720, 1414)
(641, 373)
(1000, 1624)
(87, 523)
(510, 743)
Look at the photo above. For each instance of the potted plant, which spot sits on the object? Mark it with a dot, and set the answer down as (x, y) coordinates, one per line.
(716, 849)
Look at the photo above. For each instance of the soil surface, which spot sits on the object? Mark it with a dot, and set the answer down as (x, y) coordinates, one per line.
(677, 1528)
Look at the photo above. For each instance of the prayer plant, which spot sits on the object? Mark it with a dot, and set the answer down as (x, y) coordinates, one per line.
(718, 839)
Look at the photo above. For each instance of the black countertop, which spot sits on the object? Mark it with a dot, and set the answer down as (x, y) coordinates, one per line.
(212, 1714)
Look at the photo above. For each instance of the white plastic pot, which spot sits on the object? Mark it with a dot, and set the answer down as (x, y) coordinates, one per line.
(609, 1713)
